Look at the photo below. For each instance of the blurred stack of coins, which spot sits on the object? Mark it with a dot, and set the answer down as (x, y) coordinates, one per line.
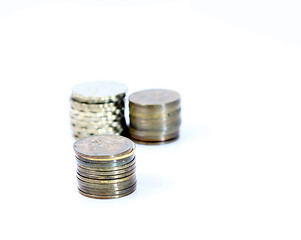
(154, 116)
(97, 107)
(105, 166)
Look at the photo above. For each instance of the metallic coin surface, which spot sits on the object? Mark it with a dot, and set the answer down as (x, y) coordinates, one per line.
(127, 159)
(97, 107)
(90, 187)
(166, 126)
(108, 182)
(149, 136)
(97, 130)
(154, 116)
(97, 114)
(105, 187)
(97, 90)
(143, 142)
(100, 196)
(95, 172)
(116, 192)
(103, 146)
(91, 178)
(79, 134)
(103, 123)
(110, 166)
(154, 97)
(94, 178)
(106, 166)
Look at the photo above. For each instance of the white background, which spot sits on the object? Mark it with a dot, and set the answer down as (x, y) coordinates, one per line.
(235, 171)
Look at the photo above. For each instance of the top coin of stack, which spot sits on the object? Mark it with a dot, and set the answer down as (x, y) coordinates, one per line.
(97, 107)
(154, 116)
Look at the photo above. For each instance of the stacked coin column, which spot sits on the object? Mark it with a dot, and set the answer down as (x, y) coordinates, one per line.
(154, 116)
(105, 166)
(98, 108)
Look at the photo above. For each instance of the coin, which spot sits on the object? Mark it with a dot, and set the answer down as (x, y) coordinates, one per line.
(161, 125)
(121, 193)
(106, 166)
(82, 132)
(94, 162)
(106, 182)
(109, 192)
(149, 136)
(77, 113)
(154, 97)
(98, 91)
(154, 116)
(106, 170)
(79, 134)
(97, 107)
(103, 147)
(101, 126)
(92, 177)
(105, 187)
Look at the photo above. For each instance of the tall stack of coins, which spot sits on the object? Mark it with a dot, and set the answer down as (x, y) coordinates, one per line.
(154, 116)
(97, 107)
(105, 166)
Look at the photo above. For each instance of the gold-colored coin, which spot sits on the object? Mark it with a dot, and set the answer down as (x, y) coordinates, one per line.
(93, 178)
(118, 194)
(96, 172)
(106, 166)
(107, 191)
(100, 186)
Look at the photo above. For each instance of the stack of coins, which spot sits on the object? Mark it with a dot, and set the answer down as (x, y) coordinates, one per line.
(105, 166)
(97, 107)
(154, 116)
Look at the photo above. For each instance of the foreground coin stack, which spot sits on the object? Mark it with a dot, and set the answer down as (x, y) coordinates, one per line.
(154, 116)
(105, 166)
(97, 107)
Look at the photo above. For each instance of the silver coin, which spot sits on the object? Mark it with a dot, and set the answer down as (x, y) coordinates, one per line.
(154, 97)
(95, 91)
(79, 135)
(103, 146)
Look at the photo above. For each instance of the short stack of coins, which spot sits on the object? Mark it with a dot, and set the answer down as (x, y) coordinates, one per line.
(154, 116)
(97, 107)
(105, 166)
